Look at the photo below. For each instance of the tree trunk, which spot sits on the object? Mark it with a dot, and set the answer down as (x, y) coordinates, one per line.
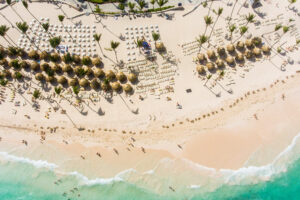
(232, 11)
(212, 29)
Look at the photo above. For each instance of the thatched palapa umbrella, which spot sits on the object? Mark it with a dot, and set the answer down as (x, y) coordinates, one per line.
(240, 45)
(94, 84)
(110, 75)
(230, 60)
(39, 77)
(24, 64)
(239, 57)
(99, 73)
(83, 82)
(56, 68)
(257, 41)
(88, 70)
(160, 46)
(256, 51)
(200, 69)
(34, 66)
(33, 55)
(6, 73)
(67, 68)
(105, 86)
(73, 82)
(4, 62)
(220, 63)
(221, 51)
(201, 57)
(248, 54)
(45, 67)
(210, 66)
(116, 86)
(96, 61)
(44, 55)
(249, 43)
(127, 88)
(62, 80)
(230, 48)
(211, 54)
(266, 49)
(121, 77)
(132, 77)
(50, 79)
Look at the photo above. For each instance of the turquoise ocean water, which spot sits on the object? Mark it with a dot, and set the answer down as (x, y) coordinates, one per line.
(24, 179)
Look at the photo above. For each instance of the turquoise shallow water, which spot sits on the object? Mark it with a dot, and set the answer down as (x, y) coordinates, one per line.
(24, 179)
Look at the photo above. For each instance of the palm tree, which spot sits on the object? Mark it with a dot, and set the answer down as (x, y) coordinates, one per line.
(219, 13)
(25, 4)
(97, 37)
(9, 3)
(131, 6)
(57, 90)
(232, 11)
(36, 94)
(114, 46)
(139, 44)
(208, 21)
(243, 30)
(54, 42)
(201, 40)
(291, 2)
(142, 4)
(249, 18)
(161, 3)
(285, 29)
(121, 7)
(12, 25)
(231, 30)
(3, 30)
(76, 90)
(23, 28)
(152, 2)
(155, 37)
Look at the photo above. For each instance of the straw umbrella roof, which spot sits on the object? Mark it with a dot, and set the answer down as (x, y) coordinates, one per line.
(239, 57)
(44, 55)
(230, 60)
(248, 43)
(67, 68)
(105, 86)
(121, 76)
(24, 64)
(221, 51)
(50, 79)
(83, 82)
(220, 63)
(248, 54)
(201, 57)
(35, 66)
(110, 74)
(265, 48)
(39, 76)
(3, 62)
(257, 41)
(94, 84)
(73, 81)
(6, 73)
(200, 69)
(127, 88)
(56, 67)
(33, 54)
(62, 80)
(76, 59)
(159, 46)
(230, 48)
(240, 45)
(116, 86)
(256, 51)
(99, 72)
(96, 61)
(132, 77)
(45, 67)
(88, 70)
(211, 54)
(210, 66)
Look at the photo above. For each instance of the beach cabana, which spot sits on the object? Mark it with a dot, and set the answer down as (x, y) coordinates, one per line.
(239, 57)
(45, 67)
(257, 41)
(110, 75)
(50, 79)
(96, 61)
(33, 55)
(67, 68)
(200, 69)
(34, 66)
(44, 55)
(248, 54)
(88, 70)
(105, 86)
(99, 73)
(160, 46)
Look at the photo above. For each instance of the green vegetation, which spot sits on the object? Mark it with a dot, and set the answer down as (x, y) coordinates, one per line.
(107, 1)
(36, 94)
